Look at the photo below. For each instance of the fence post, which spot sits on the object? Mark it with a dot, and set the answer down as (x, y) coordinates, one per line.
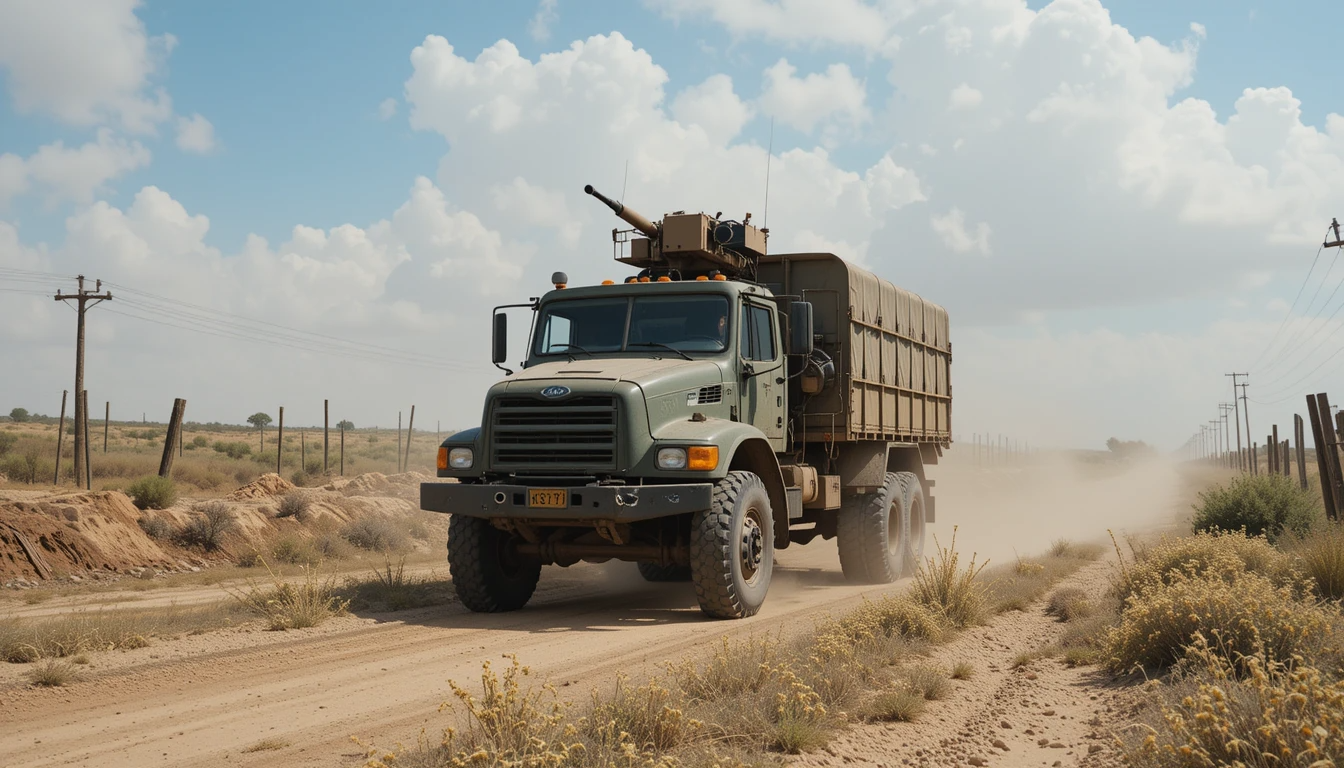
(174, 435)
(1329, 449)
(342, 451)
(280, 440)
(60, 439)
(88, 468)
(410, 427)
(326, 433)
(1299, 434)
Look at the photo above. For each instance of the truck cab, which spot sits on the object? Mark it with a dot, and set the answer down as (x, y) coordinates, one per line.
(664, 419)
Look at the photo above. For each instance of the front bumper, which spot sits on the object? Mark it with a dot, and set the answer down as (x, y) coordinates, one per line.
(614, 503)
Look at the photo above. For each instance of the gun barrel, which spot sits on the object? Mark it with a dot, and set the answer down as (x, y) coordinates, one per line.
(630, 217)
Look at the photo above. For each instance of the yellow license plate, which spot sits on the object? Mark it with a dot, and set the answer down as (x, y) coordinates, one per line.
(548, 498)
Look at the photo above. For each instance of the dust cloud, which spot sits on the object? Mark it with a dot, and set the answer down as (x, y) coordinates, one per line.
(1003, 512)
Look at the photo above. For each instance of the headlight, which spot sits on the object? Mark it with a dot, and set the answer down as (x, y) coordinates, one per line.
(671, 458)
(461, 458)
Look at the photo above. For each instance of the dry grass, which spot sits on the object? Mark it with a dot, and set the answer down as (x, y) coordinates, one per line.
(294, 504)
(376, 534)
(1320, 555)
(929, 682)
(900, 706)
(70, 634)
(292, 606)
(1070, 604)
(53, 673)
(208, 527)
(1266, 714)
(267, 745)
(1220, 554)
(1016, 587)
(746, 702)
(390, 588)
(953, 592)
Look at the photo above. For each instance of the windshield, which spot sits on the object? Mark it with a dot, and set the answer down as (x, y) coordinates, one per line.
(684, 323)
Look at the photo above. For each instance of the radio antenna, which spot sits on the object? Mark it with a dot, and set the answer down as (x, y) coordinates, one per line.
(769, 153)
(625, 179)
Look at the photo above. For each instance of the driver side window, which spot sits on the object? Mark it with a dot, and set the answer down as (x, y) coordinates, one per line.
(758, 333)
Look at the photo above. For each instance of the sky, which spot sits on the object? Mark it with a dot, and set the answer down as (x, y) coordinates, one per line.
(1117, 202)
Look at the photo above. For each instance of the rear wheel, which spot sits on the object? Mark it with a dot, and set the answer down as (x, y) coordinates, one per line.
(732, 548)
(877, 538)
(658, 573)
(488, 573)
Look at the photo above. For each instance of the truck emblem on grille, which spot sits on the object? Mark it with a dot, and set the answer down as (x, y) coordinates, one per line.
(555, 392)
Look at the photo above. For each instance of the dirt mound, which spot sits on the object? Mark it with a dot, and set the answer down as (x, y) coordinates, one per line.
(404, 485)
(78, 532)
(264, 487)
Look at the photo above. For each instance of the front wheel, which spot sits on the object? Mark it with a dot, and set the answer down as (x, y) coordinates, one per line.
(488, 573)
(733, 549)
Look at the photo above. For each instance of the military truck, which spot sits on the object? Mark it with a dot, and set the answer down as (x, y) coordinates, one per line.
(717, 406)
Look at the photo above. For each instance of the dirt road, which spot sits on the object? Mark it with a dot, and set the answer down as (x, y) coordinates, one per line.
(203, 700)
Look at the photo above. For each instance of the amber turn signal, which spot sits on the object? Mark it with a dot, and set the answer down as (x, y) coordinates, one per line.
(443, 458)
(703, 457)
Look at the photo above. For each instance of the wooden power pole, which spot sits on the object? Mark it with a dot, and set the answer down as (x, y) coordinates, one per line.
(83, 300)
(1236, 408)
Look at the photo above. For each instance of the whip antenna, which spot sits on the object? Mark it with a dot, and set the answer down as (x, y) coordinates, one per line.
(769, 153)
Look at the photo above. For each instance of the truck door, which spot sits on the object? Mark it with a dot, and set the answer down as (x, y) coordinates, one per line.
(762, 397)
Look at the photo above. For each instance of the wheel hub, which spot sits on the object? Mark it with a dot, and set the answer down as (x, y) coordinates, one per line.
(753, 547)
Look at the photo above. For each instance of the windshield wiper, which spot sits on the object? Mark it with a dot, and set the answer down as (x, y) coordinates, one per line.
(664, 346)
(572, 346)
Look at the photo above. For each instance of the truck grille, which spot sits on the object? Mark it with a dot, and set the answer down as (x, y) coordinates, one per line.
(578, 433)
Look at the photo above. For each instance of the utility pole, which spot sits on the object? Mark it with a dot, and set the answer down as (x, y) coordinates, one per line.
(1338, 241)
(1227, 408)
(1246, 413)
(1217, 454)
(82, 301)
(1237, 420)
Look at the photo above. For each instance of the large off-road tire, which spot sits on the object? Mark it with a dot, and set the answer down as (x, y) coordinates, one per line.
(733, 549)
(879, 538)
(656, 573)
(488, 573)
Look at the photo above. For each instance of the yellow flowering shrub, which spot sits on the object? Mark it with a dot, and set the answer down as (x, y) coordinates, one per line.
(1243, 614)
(1267, 714)
(1223, 554)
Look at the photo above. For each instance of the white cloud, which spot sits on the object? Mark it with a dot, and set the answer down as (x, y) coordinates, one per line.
(951, 227)
(195, 134)
(714, 107)
(804, 102)
(841, 22)
(387, 109)
(546, 16)
(71, 174)
(964, 97)
(85, 62)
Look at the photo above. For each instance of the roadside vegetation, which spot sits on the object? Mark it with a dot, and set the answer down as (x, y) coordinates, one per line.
(751, 701)
(1238, 626)
(215, 457)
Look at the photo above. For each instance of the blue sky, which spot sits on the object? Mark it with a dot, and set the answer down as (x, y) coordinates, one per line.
(1092, 237)
(293, 90)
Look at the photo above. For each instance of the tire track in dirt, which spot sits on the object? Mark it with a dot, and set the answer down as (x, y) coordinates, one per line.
(384, 682)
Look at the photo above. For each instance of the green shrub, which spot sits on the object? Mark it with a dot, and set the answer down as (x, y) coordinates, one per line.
(1259, 504)
(153, 492)
(29, 468)
(207, 528)
(234, 450)
(295, 550)
(375, 533)
(200, 441)
(294, 504)
(156, 527)
(7, 441)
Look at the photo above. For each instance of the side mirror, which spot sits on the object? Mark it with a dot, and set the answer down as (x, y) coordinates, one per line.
(801, 329)
(500, 341)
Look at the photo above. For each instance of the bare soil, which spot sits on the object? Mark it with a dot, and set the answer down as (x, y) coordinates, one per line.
(204, 700)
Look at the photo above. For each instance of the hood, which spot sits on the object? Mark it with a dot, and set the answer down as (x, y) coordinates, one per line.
(643, 371)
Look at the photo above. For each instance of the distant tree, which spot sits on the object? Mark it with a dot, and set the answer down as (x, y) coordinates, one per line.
(260, 420)
(345, 424)
(1129, 448)
(19, 414)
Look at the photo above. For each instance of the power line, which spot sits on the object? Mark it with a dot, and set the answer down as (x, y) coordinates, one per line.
(1289, 313)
